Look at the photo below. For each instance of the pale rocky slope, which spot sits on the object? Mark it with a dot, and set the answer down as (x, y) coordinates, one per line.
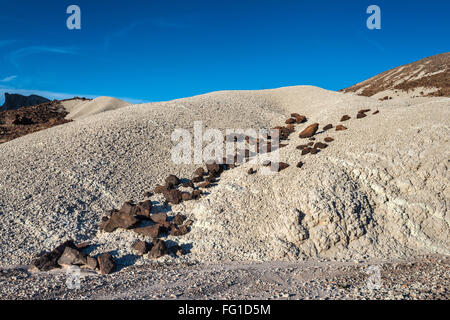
(80, 108)
(380, 189)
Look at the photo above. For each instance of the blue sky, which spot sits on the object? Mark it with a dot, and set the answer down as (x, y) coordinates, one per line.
(161, 50)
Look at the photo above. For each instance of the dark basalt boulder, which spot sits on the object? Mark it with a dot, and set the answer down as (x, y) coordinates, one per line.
(172, 181)
(179, 219)
(340, 128)
(119, 219)
(320, 145)
(345, 117)
(72, 256)
(49, 260)
(141, 247)
(158, 250)
(328, 127)
(152, 231)
(106, 263)
(173, 196)
(309, 131)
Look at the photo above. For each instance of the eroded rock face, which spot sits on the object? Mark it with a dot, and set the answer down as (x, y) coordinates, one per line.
(16, 101)
(309, 131)
(106, 263)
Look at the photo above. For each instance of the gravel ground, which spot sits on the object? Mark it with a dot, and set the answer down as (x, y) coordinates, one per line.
(425, 277)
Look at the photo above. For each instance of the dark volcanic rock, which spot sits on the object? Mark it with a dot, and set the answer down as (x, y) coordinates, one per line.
(328, 127)
(364, 111)
(301, 147)
(289, 121)
(299, 164)
(186, 196)
(315, 151)
(197, 179)
(16, 101)
(188, 184)
(49, 260)
(179, 231)
(145, 208)
(91, 263)
(159, 189)
(328, 139)
(149, 231)
(360, 115)
(340, 128)
(176, 250)
(375, 112)
(179, 219)
(280, 166)
(159, 217)
(205, 184)
(320, 145)
(306, 150)
(158, 250)
(119, 219)
(172, 181)
(214, 169)
(345, 118)
(251, 171)
(72, 256)
(196, 194)
(199, 172)
(309, 131)
(173, 196)
(106, 263)
(141, 247)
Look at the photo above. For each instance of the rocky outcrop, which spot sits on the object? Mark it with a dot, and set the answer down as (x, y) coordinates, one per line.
(16, 101)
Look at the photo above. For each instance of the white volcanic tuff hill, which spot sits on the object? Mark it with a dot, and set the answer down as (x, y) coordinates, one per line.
(380, 189)
(79, 109)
